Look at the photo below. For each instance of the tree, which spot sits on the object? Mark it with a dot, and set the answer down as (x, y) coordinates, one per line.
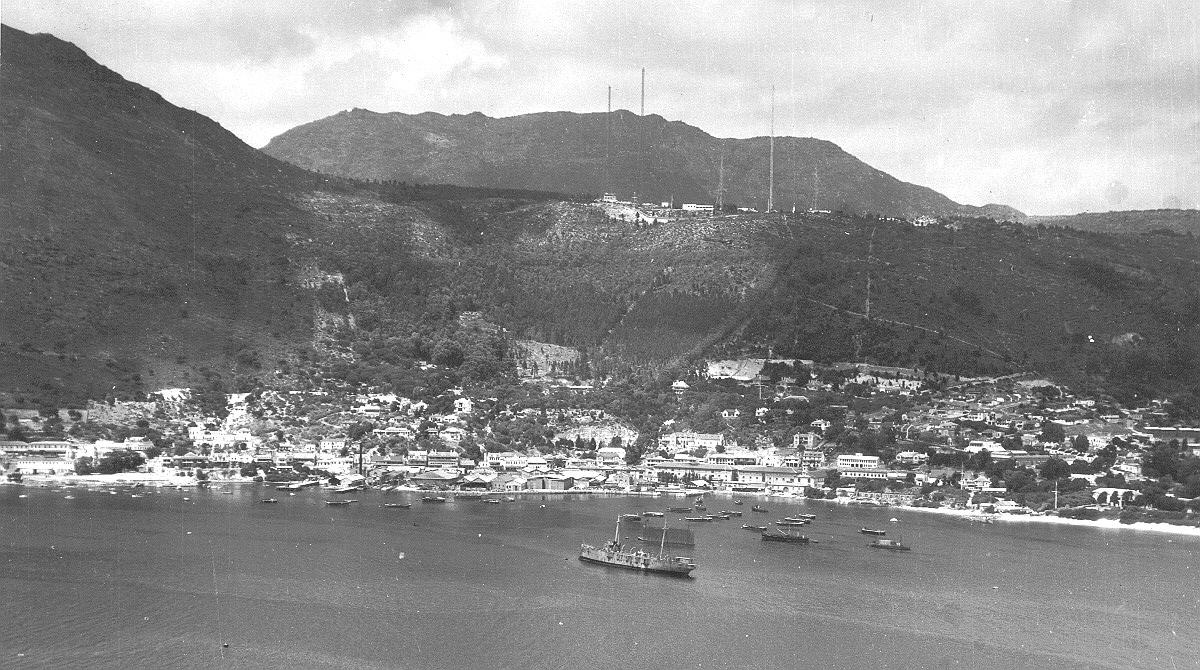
(83, 466)
(1055, 468)
(1052, 432)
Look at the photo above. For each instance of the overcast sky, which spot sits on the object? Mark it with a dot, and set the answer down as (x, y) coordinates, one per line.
(1057, 107)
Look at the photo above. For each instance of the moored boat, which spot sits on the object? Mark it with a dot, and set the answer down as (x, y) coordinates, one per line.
(338, 502)
(396, 505)
(433, 499)
(747, 526)
(790, 522)
(653, 514)
(730, 513)
(679, 509)
(758, 508)
(872, 531)
(890, 545)
(777, 535)
(612, 553)
(697, 518)
(269, 500)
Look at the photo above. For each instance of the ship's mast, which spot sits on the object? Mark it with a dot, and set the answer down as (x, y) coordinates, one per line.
(663, 545)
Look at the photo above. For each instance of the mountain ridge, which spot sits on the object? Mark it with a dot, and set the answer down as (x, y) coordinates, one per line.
(591, 153)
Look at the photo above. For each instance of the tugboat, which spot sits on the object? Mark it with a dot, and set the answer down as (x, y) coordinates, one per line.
(612, 553)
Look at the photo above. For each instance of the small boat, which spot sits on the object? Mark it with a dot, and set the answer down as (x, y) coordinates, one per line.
(653, 514)
(801, 519)
(790, 522)
(697, 518)
(737, 501)
(722, 516)
(433, 499)
(747, 526)
(733, 513)
(700, 508)
(806, 517)
(890, 545)
(758, 508)
(269, 500)
(679, 509)
(338, 502)
(73, 497)
(631, 517)
(396, 505)
(872, 531)
(894, 520)
(785, 536)
(492, 501)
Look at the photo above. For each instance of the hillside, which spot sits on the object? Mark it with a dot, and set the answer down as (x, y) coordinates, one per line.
(1182, 221)
(623, 153)
(139, 238)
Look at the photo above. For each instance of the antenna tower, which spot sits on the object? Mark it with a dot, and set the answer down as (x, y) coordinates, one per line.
(771, 172)
(608, 143)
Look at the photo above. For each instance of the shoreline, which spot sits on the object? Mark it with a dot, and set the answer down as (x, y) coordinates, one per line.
(160, 481)
(1103, 524)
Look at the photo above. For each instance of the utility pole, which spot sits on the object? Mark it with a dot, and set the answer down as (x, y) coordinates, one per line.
(771, 172)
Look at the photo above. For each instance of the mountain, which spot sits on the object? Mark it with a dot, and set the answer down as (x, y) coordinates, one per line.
(144, 246)
(1180, 221)
(623, 153)
(138, 237)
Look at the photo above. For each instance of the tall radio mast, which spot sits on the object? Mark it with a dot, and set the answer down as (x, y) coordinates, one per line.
(771, 172)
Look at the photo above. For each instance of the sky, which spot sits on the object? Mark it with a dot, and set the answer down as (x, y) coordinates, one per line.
(1052, 107)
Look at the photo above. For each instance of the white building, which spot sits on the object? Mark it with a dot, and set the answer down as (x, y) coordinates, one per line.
(857, 462)
(687, 441)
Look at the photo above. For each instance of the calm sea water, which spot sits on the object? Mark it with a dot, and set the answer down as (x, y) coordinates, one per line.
(165, 580)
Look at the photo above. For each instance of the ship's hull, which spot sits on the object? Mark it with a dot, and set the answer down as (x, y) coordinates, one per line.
(639, 561)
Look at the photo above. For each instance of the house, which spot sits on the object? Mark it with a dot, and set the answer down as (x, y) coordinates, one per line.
(462, 405)
(452, 434)
(805, 441)
(687, 441)
(911, 457)
(679, 387)
(610, 456)
(729, 414)
(505, 460)
(821, 425)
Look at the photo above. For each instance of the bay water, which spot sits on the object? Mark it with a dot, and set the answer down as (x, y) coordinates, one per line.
(200, 578)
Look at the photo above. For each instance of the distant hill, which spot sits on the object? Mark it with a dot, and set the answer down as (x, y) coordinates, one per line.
(623, 153)
(1183, 221)
(138, 237)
